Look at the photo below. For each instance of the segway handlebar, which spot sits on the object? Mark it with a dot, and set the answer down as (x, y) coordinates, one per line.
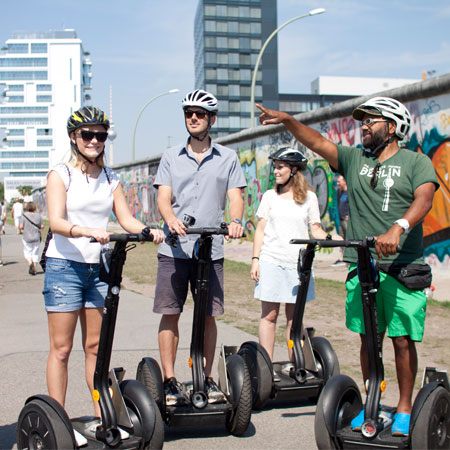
(128, 237)
(369, 241)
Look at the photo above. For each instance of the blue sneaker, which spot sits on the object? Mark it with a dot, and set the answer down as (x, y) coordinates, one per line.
(358, 421)
(401, 424)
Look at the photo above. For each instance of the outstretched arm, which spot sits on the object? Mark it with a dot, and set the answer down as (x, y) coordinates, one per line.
(306, 135)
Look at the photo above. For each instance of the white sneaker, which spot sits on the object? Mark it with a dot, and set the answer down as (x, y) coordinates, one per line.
(79, 438)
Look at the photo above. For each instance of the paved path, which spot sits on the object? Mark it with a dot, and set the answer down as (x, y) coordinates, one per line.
(24, 347)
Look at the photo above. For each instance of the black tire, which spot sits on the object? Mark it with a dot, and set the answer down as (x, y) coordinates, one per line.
(144, 414)
(40, 427)
(339, 402)
(260, 371)
(432, 426)
(326, 358)
(238, 421)
(149, 374)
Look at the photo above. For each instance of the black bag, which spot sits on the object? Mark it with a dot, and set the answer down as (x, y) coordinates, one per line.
(414, 276)
(105, 264)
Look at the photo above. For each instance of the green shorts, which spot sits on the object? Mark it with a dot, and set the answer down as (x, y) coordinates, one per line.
(400, 310)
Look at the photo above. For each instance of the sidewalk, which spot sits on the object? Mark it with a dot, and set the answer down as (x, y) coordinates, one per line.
(323, 266)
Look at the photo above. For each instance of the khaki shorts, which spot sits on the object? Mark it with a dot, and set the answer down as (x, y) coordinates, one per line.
(399, 309)
(172, 281)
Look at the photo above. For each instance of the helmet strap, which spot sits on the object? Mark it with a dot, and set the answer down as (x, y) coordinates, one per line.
(90, 161)
(385, 143)
(281, 186)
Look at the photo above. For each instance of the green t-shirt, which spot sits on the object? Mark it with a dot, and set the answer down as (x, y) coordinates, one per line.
(374, 211)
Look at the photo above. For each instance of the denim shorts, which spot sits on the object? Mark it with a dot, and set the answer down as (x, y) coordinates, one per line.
(71, 286)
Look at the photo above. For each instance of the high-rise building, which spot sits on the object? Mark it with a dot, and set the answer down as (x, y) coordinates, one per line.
(228, 37)
(44, 76)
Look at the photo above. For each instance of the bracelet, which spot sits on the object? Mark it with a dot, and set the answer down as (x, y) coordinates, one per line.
(70, 232)
(255, 257)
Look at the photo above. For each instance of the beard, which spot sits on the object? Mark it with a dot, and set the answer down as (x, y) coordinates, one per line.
(371, 141)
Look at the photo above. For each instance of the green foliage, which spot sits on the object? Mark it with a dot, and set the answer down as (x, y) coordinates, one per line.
(2, 191)
(25, 190)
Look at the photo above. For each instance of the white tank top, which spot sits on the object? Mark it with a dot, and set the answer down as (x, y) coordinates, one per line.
(89, 204)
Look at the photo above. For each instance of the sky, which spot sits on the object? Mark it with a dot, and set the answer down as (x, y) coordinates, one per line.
(143, 48)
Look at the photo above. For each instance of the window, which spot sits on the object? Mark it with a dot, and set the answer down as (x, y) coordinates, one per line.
(210, 42)
(43, 87)
(245, 74)
(258, 91)
(244, 43)
(16, 132)
(15, 87)
(233, 11)
(221, 10)
(234, 107)
(210, 74)
(222, 42)
(244, 27)
(245, 91)
(38, 48)
(222, 27)
(233, 74)
(212, 88)
(233, 90)
(245, 122)
(244, 59)
(222, 74)
(23, 110)
(17, 75)
(255, 13)
(24, 121)
(233, 27)
(245, 106)
(255, 28)
(16, 143)
(224, 105)
(222, 58)
(233, 58)
(43, 98)
(44, 131)
(210, 58)
(23, 62)
(233, 43)
(235, 122)
(222, 90)
(17, 48)
(255, 44)
(244, 11)
(210, 25)
(15, 98)
(210, 10)
(24, 165)
(223, 122)
(24, 154)
(44, 142)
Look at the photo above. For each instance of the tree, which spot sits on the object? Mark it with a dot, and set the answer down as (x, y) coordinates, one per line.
(2, 191)
(25, 190)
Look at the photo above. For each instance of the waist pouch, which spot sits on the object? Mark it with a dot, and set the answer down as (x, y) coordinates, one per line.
(105, 264)
(413, 276)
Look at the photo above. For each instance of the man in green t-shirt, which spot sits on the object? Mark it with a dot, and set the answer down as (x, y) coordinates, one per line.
(390, 191)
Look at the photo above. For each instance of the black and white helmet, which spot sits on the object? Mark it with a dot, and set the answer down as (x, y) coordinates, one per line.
(291, 156)
(389, 108)
(202, 99)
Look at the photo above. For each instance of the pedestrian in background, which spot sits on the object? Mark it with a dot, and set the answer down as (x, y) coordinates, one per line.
(342, 197)
(30, 225)
(16, 214)
(3, 217)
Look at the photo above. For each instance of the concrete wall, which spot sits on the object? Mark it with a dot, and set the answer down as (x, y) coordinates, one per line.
(429, 104)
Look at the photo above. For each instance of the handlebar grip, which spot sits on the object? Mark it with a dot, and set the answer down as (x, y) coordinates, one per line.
(127, 237)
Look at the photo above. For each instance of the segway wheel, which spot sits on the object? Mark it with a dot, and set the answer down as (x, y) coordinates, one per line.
(40, 427)
(260, 370)
(238, 420)
(149, 374)
(339, 402)
(432, 426)
(144, 414)
(326, 358)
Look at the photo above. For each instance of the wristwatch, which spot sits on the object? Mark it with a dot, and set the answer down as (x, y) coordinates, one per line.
(237, 221)
(403, 223)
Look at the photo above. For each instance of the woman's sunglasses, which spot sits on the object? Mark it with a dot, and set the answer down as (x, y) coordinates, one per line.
(87, 136)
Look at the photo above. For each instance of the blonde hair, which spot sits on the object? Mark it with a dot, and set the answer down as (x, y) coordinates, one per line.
(300, 187)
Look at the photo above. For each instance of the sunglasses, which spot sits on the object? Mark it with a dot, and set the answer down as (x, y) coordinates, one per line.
(87, 136)
(374, 179)
(200, 114)
(369, 121)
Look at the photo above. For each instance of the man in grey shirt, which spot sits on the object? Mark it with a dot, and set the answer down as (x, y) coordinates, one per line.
(194, 179)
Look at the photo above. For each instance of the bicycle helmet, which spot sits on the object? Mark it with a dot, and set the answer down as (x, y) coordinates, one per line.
(291, 156)
(202, 99)
(389, 108)
(88, 115)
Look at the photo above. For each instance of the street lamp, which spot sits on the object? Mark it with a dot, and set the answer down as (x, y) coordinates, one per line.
(172, 91)
(266, 43)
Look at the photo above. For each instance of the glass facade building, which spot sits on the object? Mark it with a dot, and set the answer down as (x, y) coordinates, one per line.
(228, 37)
(44, 76)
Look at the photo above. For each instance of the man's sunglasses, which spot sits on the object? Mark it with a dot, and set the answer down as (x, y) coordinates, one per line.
(369, 121)
(87, 136)
(374, 179)
(200, 114)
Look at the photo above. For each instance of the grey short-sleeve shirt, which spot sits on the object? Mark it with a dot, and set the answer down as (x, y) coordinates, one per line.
(199, 190)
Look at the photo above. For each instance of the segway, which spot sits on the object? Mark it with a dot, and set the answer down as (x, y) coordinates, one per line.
(340, 400)
(235, 412)
(314, 358)
(44, 424)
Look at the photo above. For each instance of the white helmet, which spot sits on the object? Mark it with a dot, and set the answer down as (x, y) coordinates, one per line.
(389, 108)
(202, 99)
